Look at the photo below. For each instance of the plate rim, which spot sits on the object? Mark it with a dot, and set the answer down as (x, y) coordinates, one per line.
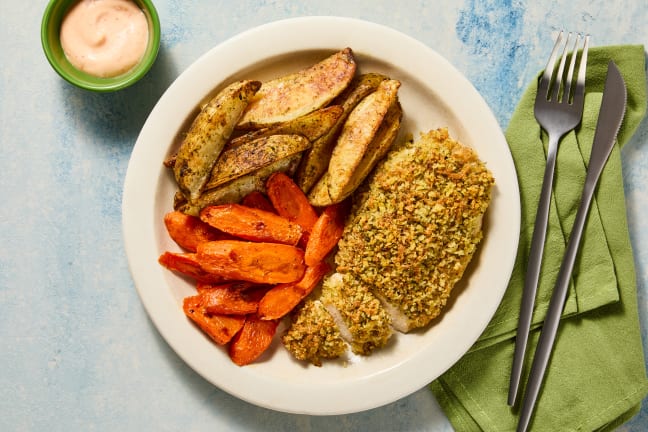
(138, 204)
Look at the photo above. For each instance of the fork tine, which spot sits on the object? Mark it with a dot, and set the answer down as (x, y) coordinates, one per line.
(579, 92)
(561, 70)
(543, 87)
(570, 73)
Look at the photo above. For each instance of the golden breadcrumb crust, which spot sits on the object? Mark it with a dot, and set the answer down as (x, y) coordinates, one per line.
(368, 323)
(313, 335)
(416, 224)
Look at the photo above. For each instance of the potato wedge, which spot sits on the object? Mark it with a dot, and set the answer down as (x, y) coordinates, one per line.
(316, 159)
(208, 134)
(387, 132)
(235, 190)
(319, 194)
(228, 193)
(378, 147)
(254, 155)
(311, 126)
(356, 134)
(294, 95)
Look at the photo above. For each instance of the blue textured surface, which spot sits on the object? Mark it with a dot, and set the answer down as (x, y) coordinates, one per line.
(78, 351)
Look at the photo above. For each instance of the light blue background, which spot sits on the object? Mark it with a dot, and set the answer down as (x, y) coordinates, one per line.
(78, 351)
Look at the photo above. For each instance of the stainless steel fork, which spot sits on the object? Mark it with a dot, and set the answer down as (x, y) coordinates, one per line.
(558, 109)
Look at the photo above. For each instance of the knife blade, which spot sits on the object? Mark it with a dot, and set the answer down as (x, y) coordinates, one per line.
(609, 121)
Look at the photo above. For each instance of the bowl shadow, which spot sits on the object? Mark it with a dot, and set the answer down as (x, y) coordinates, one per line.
(116, 118)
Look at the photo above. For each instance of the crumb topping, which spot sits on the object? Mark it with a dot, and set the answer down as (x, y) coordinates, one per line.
(416, 224)
(313, 335)
(363, 314)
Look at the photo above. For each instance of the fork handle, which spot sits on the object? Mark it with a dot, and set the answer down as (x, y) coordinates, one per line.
(533, 270)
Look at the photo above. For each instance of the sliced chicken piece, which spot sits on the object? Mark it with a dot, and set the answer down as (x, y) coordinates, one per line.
(361, 318)
(313, 335)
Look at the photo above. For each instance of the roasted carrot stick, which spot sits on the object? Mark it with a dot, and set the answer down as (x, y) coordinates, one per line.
(187, 231)
(259, 201)
(252, 224)
(233, 298)
(290, 201)
(326, 233)
(234, 285)
(254, 338)
(283, 298)
(266, 263)
(187, 264)
(220, 328)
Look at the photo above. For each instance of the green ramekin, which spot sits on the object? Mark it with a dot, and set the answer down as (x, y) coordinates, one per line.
(51, 27)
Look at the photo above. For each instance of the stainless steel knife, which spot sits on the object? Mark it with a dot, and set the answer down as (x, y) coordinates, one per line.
(609, 121)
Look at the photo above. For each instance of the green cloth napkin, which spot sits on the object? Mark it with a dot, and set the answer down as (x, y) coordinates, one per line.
(596, 379)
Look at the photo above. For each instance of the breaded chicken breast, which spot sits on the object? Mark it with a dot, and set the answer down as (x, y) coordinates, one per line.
(416, 225)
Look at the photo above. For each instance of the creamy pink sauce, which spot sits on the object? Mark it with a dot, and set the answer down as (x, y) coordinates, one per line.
(104, 38)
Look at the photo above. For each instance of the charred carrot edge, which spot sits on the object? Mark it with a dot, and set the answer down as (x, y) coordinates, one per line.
(220, 328)
(259, 201)
(234, 285)
(283, 298)
(228, 299)
(264, 263)
(187, 264)
(253, 340)
(252, 224)
(189, 231)
(326, 233)
(290, 201)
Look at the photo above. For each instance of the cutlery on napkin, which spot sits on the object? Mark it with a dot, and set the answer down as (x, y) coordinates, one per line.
(609, 120)
(597, 378)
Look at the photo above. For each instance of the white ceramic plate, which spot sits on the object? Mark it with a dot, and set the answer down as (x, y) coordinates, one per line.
(433, 94)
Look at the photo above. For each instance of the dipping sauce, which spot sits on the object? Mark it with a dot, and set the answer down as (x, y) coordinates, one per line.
(104, 38)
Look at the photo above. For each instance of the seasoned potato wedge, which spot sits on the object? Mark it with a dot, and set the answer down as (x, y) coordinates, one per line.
(293, 95)
(316, 159)
(235, 190)
(319, 194)
(311, 126)
(253, 155)
(356, 134)
(385, 136)
(208, 134)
